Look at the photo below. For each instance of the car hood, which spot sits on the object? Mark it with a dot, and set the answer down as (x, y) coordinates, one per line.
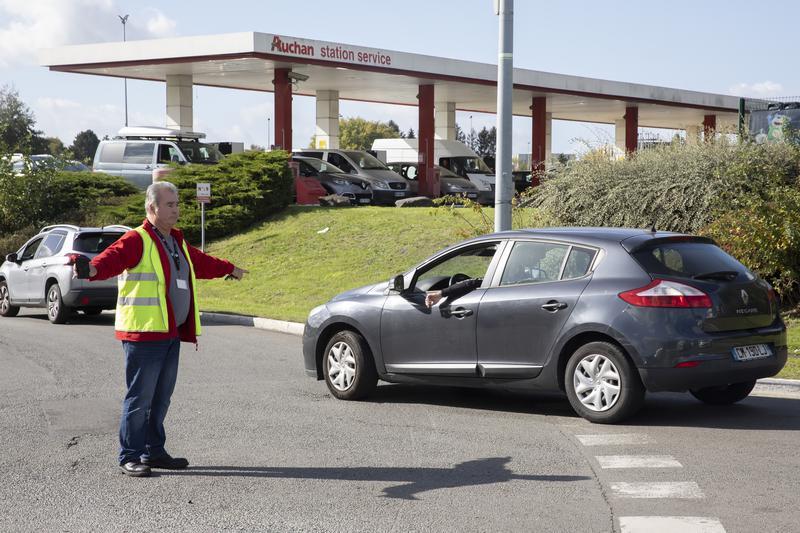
(382, 175)
(366, 289)
(352, 178)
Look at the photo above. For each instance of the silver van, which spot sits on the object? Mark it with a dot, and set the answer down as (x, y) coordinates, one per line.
(137, 151)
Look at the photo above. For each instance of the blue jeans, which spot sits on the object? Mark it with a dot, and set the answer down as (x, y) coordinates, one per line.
(151, 368)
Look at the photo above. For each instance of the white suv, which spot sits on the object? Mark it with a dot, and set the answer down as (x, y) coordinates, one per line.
(39, 274)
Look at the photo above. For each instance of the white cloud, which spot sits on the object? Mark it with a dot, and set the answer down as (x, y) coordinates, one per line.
(26, 27)
(758, 90)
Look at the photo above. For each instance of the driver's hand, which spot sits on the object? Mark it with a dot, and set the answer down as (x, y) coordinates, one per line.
(432, 298)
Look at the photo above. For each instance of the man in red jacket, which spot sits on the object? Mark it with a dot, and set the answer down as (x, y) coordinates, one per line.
(156, 310)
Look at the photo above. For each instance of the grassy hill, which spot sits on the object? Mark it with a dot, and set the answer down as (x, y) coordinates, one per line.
(305, 255)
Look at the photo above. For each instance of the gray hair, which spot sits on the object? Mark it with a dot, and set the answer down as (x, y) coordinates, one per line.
(151, 195)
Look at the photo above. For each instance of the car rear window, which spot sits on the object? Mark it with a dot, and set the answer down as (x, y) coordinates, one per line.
(95, 242)
(687, 260)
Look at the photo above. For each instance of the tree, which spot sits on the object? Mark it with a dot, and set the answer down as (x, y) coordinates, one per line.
(55, 146)
(411, 134)
(17, 133)
(358, 134)
(486, 144)
(84, 146)
(460, 137)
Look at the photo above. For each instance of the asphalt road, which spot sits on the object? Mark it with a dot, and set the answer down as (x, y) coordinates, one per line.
(271, 450)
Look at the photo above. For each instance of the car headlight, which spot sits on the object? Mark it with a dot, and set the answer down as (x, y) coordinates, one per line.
(340, 181)
(380, 184)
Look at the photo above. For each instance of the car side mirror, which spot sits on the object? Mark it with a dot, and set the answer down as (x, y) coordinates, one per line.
(12, 258)
(397, 283)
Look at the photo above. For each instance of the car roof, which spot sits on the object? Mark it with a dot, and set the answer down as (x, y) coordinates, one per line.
(582, 235)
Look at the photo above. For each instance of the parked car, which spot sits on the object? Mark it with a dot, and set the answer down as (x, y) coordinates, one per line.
(335, 180)
(138, 151)
(603, 314)
(38, 160)
(449, 183)
(387, 185)
(39, 274)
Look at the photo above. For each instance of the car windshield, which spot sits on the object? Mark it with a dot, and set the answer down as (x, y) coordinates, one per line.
(197, 152)
(466, 165)
(366, 161)
(95, 242)
(75, 166)
(320, 166)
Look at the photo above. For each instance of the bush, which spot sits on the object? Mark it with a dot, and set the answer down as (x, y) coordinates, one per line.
(679, 187)
(764, 234)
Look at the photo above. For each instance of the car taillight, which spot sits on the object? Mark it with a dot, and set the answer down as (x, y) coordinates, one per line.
(664, 293)
(773, 296)
(73, 258)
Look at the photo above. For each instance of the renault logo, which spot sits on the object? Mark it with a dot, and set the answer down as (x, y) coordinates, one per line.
(745, 297)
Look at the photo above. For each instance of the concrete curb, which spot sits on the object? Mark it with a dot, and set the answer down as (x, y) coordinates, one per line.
(296, 328)
(280, 326)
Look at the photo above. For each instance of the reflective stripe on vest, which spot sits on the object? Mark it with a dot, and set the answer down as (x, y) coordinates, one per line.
(142, 292)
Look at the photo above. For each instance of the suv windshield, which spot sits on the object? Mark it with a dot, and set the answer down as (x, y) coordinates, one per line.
(95, 242)
(366, 161)
(465, 165)
(688, 260)
(197, 152)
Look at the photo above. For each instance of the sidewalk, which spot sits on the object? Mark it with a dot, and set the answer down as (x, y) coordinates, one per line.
(296, 328)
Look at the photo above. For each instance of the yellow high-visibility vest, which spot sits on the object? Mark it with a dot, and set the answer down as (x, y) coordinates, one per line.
(142, 294)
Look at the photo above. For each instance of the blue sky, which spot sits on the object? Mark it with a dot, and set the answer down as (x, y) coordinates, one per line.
(729, 47)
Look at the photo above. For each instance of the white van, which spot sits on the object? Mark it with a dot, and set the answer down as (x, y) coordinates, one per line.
(137, 151)
(452, 155)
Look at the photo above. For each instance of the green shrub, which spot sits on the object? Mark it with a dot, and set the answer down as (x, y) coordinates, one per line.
(680, 187)
(764, 234)
(245, 188)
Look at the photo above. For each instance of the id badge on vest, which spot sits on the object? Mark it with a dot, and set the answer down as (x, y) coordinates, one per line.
(182, 284)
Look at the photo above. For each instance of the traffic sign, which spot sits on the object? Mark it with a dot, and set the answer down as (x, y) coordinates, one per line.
(204, 193)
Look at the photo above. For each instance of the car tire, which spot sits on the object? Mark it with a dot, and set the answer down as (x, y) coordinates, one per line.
(6, 309)
(348, 366)
(602, 385)
(57, 312)
(92, 311)
(726, 395)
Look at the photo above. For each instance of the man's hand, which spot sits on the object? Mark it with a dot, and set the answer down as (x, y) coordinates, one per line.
(432, 298)
(76, 273)
(238, 273)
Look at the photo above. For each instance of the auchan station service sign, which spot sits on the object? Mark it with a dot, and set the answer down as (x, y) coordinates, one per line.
(329, 51)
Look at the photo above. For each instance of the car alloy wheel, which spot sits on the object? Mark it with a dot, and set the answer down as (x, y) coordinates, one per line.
(56, 310)
(341, 366)
(597, 382)
(6, 309)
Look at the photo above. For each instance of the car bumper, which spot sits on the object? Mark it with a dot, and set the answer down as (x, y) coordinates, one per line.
(105, 297)
(389, 197)
(486, 197)
(310, 351)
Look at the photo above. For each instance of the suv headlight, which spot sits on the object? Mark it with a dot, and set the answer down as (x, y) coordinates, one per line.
(380, 185)
(340, 181)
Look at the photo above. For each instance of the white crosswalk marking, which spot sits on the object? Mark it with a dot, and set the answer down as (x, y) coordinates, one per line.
(660, 489)
(638, 461)
(670, 524)
(613, 439)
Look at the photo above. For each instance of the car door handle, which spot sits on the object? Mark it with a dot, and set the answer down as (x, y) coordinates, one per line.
(554, 306)
(460, 312)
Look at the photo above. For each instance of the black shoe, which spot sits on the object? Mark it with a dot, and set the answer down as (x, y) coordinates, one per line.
(166, 461)
(135, 469)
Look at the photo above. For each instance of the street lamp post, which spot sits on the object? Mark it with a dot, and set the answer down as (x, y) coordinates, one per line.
(269, 132)
(124, 20)
(505, 64)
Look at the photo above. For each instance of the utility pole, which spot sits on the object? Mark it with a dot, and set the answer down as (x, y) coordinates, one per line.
(505, 80)
(124, 20)
(269, 133)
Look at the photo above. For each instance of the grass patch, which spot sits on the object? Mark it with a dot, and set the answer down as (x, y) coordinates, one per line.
(792, 368)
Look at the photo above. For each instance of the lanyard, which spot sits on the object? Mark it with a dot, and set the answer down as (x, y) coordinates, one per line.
(173, 252)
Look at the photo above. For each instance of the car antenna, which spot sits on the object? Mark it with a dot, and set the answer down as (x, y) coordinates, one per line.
(653, 227)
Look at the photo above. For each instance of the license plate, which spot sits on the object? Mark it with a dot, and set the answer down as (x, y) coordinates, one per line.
(472, 195)
(749, 353)
(398, 194)
(363, 200)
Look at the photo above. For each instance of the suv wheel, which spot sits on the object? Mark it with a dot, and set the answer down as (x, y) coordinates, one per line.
(6, 309)
(348, 366)
(601, 384)
(724, 395)
(57, 312)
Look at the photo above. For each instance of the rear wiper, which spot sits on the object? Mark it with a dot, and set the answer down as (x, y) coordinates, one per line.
(724, 275)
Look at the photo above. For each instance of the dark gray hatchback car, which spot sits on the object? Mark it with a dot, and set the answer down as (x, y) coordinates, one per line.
(603, 314)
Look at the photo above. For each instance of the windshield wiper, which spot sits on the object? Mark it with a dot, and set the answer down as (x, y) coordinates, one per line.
(724, 275)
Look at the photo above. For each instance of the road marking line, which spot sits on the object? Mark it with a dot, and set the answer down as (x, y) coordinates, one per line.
(637, 461)
(670, 524)
(613, 439)
(661, 489)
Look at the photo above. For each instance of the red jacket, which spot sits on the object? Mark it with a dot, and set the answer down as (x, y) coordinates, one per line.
(127, 252)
